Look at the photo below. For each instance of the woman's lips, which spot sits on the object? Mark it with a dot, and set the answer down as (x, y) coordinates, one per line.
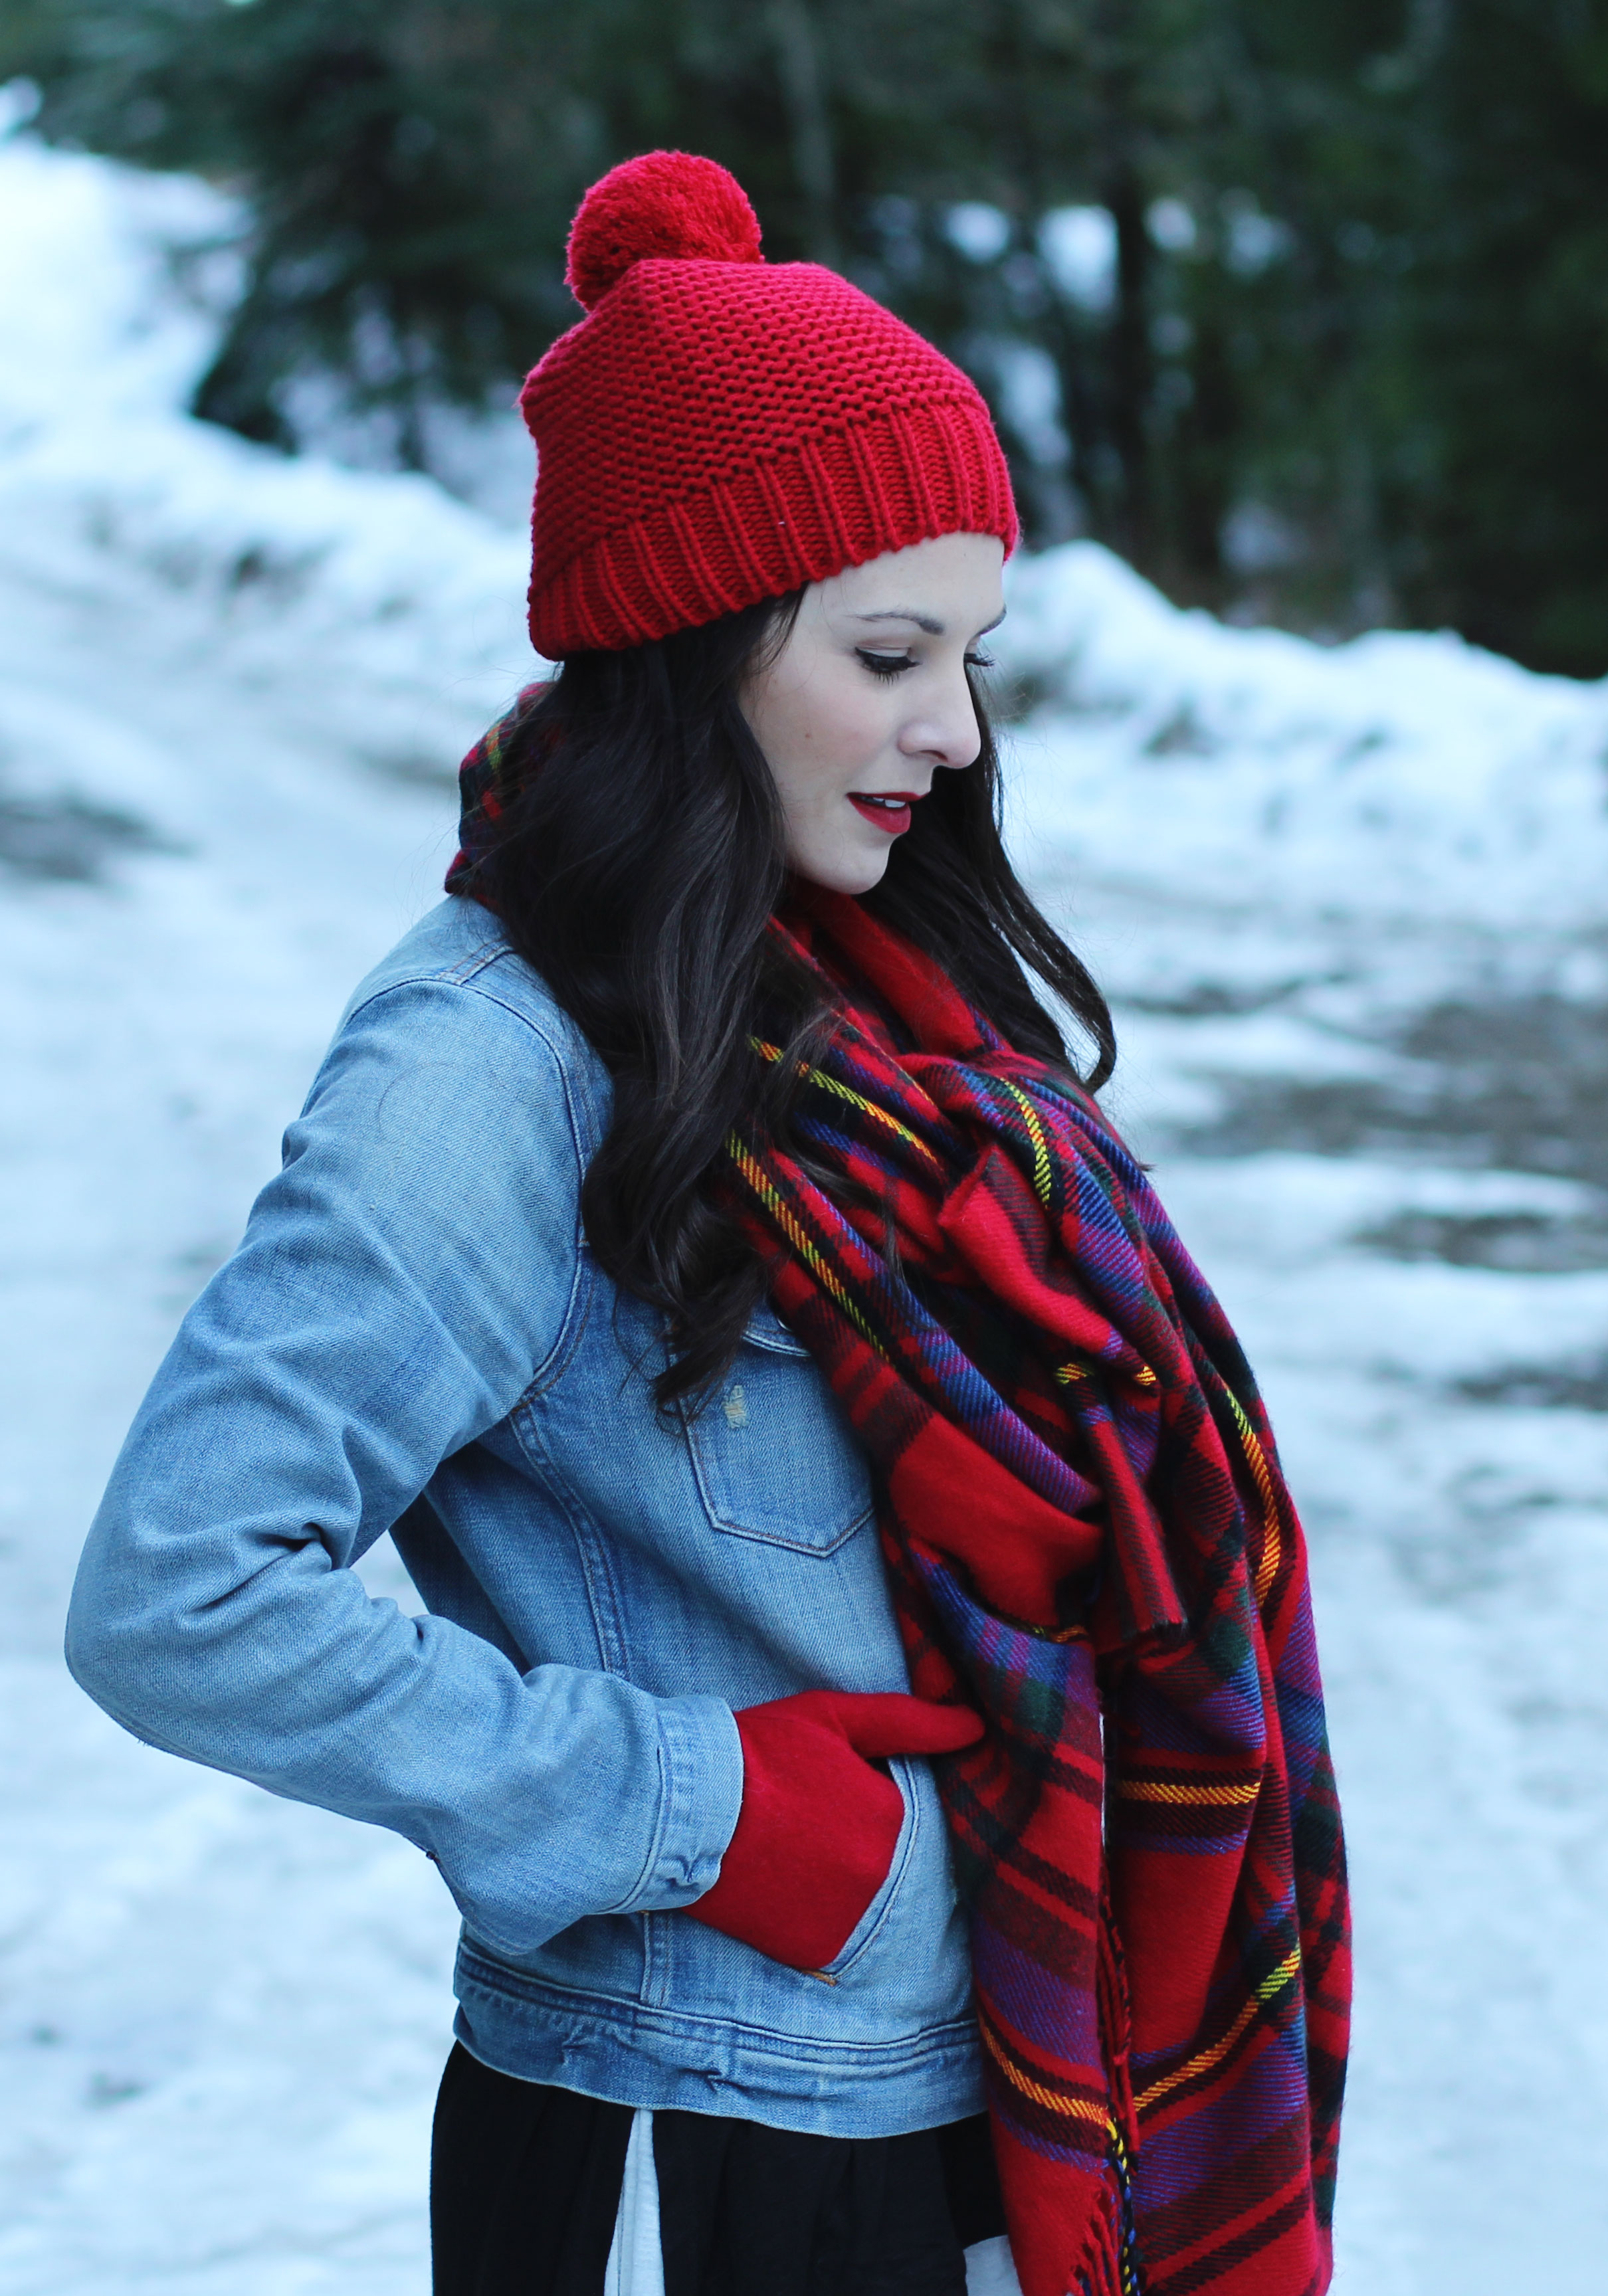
(889, 809)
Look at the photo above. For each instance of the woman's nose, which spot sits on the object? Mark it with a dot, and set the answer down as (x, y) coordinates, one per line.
(946, 731)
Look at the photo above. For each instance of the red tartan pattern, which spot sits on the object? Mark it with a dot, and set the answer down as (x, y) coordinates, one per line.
(1090, 1540)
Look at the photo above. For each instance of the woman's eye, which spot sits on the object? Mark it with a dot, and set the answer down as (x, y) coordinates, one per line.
(886, 665)
(980, 661)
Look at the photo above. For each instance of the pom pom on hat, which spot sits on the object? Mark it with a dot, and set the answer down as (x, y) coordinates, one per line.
(665, 203)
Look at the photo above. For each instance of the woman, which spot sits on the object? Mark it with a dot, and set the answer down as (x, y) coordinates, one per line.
(866, 1709)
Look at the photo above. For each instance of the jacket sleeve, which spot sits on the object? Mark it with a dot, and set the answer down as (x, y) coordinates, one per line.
(400, 1283)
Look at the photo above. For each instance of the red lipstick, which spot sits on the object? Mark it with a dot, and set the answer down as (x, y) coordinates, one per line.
(889, 809)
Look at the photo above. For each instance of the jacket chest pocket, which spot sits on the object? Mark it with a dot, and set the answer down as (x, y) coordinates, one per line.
(771, 1451)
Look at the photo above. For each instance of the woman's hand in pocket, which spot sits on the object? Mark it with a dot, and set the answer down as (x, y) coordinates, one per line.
(818, 1826)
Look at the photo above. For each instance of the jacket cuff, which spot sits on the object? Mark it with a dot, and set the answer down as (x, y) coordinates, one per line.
(700, 1770)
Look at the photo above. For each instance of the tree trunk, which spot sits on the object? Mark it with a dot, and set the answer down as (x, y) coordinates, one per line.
(1131, 374)
(804, 94)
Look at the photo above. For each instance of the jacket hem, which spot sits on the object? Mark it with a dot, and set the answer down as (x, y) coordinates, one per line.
(627, 2053)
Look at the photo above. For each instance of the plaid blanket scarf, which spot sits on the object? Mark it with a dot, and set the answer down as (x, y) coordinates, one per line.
(1090, 1542)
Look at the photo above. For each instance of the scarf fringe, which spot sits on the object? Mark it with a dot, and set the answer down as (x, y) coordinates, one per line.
(1108, 2265)
(1111, 1986)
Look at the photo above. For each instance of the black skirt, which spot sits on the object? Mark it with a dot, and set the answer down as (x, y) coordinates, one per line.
(525, 2183)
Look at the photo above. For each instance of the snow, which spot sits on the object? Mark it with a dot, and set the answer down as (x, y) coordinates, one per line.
(1349, 903)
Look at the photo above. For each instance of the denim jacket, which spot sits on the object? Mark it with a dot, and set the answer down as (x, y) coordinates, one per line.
(413, 1337)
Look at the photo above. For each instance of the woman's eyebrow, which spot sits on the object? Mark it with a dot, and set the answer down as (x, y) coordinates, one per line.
(923, 621)
(903, 614)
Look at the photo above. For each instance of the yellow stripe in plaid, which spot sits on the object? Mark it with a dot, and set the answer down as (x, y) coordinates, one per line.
(1041, 1147)
(1220, 1797)
(855, 1100)
(1068, 1372)
(1271, 1543)
(1070, 2108)
(1209, 2058)
(799, 1239)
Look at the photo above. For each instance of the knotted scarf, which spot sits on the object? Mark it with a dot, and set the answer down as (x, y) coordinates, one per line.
(1090, 1541)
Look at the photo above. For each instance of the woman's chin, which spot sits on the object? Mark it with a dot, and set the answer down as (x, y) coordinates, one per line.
(851, 872)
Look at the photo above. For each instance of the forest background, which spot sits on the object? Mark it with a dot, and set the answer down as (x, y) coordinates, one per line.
(1302, 309)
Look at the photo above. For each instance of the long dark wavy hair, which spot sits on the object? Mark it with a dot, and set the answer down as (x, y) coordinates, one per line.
(635, 860)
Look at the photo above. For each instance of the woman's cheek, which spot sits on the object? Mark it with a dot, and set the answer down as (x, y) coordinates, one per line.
(856, 732)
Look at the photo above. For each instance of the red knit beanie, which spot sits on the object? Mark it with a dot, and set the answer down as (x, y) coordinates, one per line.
(720, 430)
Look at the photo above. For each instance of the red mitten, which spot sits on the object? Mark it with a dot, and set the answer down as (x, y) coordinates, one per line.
(817, 1829)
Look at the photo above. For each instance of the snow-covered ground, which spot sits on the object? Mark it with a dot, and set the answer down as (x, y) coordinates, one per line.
(1353, 908)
